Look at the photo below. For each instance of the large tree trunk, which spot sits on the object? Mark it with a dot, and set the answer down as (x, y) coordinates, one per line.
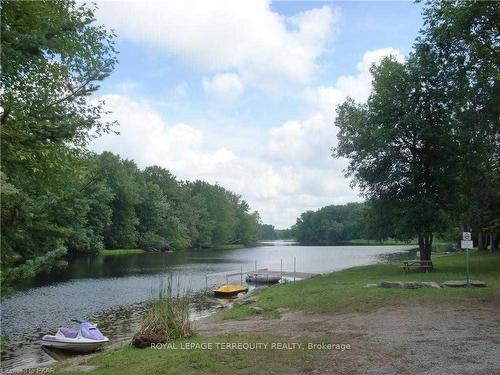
(480, 241)
(426, 249)
(420, 242)
(421, 247)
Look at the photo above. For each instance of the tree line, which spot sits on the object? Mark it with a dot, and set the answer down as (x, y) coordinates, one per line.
(334, 223)
(340, 223)
(57, 197)
(425, 148)
(269, 233)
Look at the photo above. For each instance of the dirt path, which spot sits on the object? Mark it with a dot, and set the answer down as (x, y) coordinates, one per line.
(403, 339)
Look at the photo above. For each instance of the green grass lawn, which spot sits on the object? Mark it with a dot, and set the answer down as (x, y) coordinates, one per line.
(129, 360)
(346, 291)
(339, 292)
(112, 252)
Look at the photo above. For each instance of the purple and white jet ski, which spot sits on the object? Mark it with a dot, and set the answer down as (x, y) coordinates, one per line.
(87, 339)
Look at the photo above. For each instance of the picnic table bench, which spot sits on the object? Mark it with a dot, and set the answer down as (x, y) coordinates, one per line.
(425, 265)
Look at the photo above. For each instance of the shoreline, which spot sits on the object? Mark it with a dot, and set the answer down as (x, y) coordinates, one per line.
(279, 313)
(29, 354)
(217, 309)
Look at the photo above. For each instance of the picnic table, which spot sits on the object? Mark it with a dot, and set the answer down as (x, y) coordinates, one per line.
(425, 265)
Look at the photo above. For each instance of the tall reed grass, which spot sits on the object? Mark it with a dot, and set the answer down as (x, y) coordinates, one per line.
(166, 318)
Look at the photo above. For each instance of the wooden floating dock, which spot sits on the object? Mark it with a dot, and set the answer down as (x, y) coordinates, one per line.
(268, 273)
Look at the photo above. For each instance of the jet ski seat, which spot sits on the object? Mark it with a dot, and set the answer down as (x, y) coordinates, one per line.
(68, 332)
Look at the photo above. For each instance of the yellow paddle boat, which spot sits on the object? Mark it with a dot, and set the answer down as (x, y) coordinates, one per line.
(228, 290)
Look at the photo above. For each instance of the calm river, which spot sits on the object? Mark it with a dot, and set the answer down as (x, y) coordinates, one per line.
(111, 291)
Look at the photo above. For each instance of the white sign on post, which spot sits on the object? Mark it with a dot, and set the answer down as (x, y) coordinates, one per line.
(466, 244)
(466, 236)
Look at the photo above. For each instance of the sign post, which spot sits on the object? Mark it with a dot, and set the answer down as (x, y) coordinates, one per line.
(467, 244)
(467, 263)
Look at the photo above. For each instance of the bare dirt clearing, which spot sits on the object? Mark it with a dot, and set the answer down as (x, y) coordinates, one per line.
(403, 338)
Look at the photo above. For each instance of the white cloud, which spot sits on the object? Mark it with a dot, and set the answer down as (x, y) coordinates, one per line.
(263, 47)
(302, 141)
(146, 138)
(225, 87)
(309, 140)
(281, 171)
(358, 86)
(181, 89)
(305, 144)
(280, 186)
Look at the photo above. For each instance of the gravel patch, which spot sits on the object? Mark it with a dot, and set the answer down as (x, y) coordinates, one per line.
(458, 338)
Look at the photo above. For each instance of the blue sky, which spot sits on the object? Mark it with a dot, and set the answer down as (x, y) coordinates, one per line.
(243, 93)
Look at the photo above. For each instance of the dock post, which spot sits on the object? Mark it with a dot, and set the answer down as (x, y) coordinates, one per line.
(281, 267)
(206, 282)
(294, 267)
(241, 274)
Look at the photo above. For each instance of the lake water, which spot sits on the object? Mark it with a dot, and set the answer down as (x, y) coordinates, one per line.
(111, 291)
